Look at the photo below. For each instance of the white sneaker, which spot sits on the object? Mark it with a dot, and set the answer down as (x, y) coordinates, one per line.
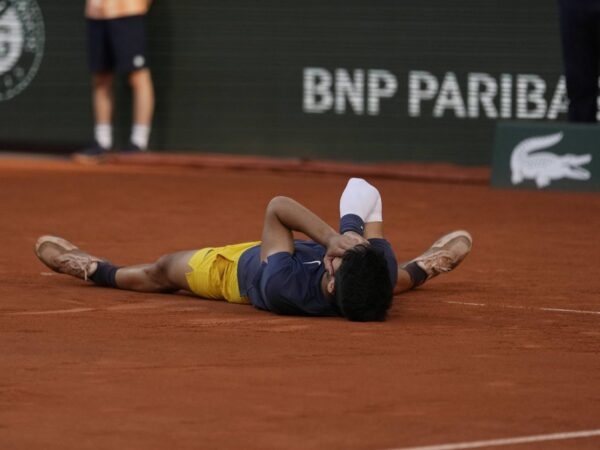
(445, 254)
(63, 257)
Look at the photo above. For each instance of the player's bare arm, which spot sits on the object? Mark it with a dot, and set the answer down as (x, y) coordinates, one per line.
(284, 215)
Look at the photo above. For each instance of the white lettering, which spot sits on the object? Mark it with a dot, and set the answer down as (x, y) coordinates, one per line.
(317, 90)
(449, 98)
(360, 91)
(559, 103)
(382, 84)
(421, 86)
(348, 90)
(506, 84)
(482, 89)
(530, 91)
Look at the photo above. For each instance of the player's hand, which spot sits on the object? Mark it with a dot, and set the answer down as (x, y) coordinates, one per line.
(337, 246)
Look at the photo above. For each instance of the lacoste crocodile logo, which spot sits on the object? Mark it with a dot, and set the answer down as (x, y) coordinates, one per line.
(543, 167)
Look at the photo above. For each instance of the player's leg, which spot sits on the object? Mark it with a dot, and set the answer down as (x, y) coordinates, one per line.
(405, 281)
(143, 96)
(143, 107)
(128, 36)
(363, 201)
(167, 274)
(579, 33)
(442, 257)
(103, 97)
(101, 65)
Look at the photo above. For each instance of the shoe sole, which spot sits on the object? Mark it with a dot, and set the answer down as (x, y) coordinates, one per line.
(460, 237)
(446, 246)
(441, 242)
(63, 244)
(59, 248)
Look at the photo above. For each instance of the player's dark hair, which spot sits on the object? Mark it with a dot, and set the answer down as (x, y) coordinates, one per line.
(363, 290)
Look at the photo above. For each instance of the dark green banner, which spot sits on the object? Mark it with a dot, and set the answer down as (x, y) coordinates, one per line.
(352, 80)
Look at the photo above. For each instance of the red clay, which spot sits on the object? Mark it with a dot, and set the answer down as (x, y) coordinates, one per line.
(470, 356)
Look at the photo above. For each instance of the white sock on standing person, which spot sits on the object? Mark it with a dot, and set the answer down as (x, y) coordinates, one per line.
(103, 135)
(140, 134)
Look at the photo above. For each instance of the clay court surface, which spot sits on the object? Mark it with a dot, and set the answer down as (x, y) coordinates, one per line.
(505, 347)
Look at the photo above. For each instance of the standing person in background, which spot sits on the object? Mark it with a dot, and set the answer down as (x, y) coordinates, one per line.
(116, 32)
(580, 32)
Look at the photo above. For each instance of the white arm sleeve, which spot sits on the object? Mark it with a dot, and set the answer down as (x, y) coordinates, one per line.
(362, 199)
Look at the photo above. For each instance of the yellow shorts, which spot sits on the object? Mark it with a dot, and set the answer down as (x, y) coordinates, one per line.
(214, 272)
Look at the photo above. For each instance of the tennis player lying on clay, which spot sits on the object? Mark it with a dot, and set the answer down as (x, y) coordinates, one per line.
(353, 273)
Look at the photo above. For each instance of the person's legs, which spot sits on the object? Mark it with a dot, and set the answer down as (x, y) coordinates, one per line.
(128, 39)
(103, 104)
(167, 274)
(101, 63)
(405, 282)
(579, 34)
(443, 256)
(143, 106)
(102, 97)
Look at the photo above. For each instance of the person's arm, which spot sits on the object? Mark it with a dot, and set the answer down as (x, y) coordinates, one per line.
(285, 215)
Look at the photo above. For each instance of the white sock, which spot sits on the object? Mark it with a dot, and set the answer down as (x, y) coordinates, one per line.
(140, 135)
(362, 199)
(103, 135)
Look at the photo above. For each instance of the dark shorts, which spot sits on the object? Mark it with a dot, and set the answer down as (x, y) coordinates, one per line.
(117, 45)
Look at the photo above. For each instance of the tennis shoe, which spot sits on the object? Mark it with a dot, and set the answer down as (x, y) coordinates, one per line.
(95, 154)
(445, 254)
(63, 257)
(133, 149)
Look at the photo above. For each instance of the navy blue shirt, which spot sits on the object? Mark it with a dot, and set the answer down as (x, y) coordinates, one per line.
(291, 283)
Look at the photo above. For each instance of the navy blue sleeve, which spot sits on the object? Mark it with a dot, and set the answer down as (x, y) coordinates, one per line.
(386, 248)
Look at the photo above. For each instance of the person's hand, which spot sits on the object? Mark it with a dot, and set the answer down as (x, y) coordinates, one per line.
(337, 246)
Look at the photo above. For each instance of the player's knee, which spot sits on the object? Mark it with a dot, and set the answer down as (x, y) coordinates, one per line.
(139, 78)
(103, 80)
(159, 271)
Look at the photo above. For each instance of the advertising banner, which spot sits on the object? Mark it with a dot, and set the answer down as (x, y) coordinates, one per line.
(348, 80)
(559, 156)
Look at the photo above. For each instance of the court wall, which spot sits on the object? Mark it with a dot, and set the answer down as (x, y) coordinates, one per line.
(351, 80)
